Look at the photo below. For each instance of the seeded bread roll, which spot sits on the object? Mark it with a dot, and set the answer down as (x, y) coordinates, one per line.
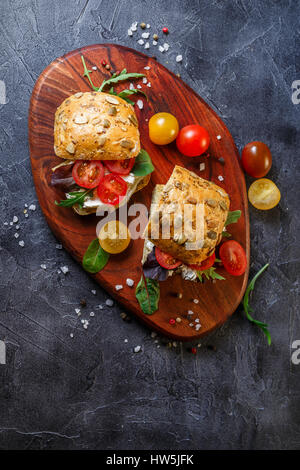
(96, 126)
(185, 187)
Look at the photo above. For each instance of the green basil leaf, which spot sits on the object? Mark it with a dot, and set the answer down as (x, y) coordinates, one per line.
(95, 258)
(247, 308)
(143, 165)
(147, 293)
(233, 217)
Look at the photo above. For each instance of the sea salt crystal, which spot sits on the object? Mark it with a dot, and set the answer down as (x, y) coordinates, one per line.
(92, 314)
(191, 324)
(161, 48)
(145, 80)
(77, 310)
(21, 243)
(147, 45)
(131, 86)
(197, 320)
(64, 269)
(138, 86)
(141, 42)
(129, 282)
(129, 32)
(43, 266)
(94, 67)
(140, 104)
(26, 215)
(17, 227)
(196, 301)
(220, 178)
(25, 205)
(153, 334)
(125, 340)
(93, 291)
(197, 327)
(16, 235)
(133, 27)
(109, 302)
(219, 137)
(166, 46)
(15, 219)
(148, 26)
(10, 223)
(118, 287)
(58, 246)
(145, 35)
(202, 167)
(137, 349)
(32, 207)
(71, 335)
(149, 85)
(190, 312)
(100, 307)
(179, 58)
(147, 67)
(154, 43)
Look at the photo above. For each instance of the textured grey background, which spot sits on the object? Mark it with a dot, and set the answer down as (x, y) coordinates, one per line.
(92, 391)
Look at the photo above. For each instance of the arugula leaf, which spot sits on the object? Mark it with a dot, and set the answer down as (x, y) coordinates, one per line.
(226, 234)
(147, 293)
(210, 274)
(247, 308)
(143, 165)
(87, 74)
(233, 217)
(95, 258)
(77, 197)
(120, 78)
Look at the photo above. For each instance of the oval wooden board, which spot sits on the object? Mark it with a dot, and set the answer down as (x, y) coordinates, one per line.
(63, 77)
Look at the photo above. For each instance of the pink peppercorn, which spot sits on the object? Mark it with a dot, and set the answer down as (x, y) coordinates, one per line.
(103, 62)
(172, 321)
(193, 350)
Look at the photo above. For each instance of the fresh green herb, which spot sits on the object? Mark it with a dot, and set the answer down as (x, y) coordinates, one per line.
(95, 258)
(120, 78)
(77, 197)
(232, 217)
(226, 234)
(87, 74)
(210, 274)
(247, 308)
(143, 165)
(147, 293)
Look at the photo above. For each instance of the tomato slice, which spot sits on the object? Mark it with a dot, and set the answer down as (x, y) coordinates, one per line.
(233, 257)
(165, 260)
(120, 167)
(206, 264)
(112, 189)
(87, 174)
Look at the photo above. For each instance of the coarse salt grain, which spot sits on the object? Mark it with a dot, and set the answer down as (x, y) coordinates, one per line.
(43, 266)
(64, 269)
(137, 349)
(16, 235)
(93, 291)
(15, 219)
(148, 26)
(166, 46)
(129, 32)
(21, 243)
(190, 312)
(71, 335)
(149, 85)
(220, 178)
(32, 207)
(197, 320)
(139, 87)
(126, 340)
(179, 58)
(191, 324)
(17, 227)
(118, 287)
(147, 45)
(133, 27)
(196, 301)
(145, 80)
(5, 223)
(94, 67)
(58, 246)
(92, 314)
(131, 86)
(141, 42)
(202, 167)
(161, 49)
(145, 35)
(147, 67)
(100, 307)
(154, 43)
(153, 334)
(197, 327)
(10, 223)
(140, 104)
(77, 310)
(109, 302)
(129, 282)
(25, 205)
(26, 215)
(219, 137)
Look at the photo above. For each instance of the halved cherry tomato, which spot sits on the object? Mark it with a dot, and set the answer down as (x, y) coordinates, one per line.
(112, 189)
(88, 174)
(165, 260)
(233, 257)
(192, 140)
(114, 237)
(264, 194)
(256, 159)
(120, 167)
(206, 264)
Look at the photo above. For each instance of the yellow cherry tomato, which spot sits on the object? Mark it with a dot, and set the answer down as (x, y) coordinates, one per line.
(114, 237)
(163, 128)
(264, 194)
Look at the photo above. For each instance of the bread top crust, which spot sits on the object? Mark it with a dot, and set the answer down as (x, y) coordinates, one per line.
(186, 188)
(96, 126)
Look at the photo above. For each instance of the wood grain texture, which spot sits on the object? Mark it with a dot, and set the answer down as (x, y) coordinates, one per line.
(63, 77)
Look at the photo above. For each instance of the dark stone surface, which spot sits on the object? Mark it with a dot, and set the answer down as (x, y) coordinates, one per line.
(92, 391)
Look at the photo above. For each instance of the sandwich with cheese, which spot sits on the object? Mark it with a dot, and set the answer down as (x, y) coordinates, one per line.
(97, 135)
(187, 218)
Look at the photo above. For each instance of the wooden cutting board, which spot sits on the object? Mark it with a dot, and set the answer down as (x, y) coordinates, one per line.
(63, 77)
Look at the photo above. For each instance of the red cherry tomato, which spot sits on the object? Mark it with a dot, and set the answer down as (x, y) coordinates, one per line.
(88, 174)
(112, 189)
(233, 257)
(165, 260)
(120, 167)
(192, 140)
(206, 264)
(256, 159)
